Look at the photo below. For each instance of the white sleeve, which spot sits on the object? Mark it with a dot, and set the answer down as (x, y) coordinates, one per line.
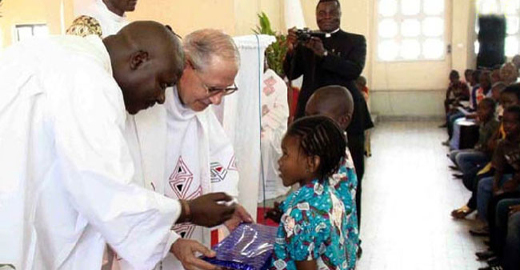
(87, 123)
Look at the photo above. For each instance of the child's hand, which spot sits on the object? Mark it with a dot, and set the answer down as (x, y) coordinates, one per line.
(274, 214)
(514, 209)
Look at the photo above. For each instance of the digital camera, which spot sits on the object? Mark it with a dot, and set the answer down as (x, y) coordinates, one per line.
(305, 34)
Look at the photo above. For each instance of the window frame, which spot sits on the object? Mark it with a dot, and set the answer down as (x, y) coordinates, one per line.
(31, 26)
(399, 18)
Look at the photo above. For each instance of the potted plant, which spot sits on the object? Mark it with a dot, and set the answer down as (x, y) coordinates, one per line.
(275, 53)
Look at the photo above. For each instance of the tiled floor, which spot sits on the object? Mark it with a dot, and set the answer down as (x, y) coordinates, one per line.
(407, 199)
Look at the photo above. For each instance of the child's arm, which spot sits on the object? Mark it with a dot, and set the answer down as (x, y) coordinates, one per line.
(496, 180)
(274, 214)
(448, 92)
(306, 265)
(492, 142)
(499, 163)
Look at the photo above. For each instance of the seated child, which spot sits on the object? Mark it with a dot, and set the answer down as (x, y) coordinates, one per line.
(509, 73)
(506, 162)
(467, 159)
(311, 234)
(336, 102)
(496, 89)
(457, 91)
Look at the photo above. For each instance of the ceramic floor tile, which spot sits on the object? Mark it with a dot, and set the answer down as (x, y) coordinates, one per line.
(408, 194)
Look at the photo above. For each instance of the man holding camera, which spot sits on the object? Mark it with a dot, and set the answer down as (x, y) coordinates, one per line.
(333, 57)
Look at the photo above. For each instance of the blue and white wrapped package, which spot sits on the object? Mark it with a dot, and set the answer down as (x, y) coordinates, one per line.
(248, 247)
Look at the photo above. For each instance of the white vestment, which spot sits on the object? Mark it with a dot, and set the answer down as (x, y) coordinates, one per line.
(183, 154)
(110, 22)
(275, 112)
(66, 187)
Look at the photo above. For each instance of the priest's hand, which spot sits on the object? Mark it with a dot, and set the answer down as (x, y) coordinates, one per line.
(186, 250)
(292, 39)
(208, 210)
(316, 45)
(240, 215)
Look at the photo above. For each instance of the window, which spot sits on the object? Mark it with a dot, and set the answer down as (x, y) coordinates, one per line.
(511, 10)
(410, 30)
(27, 31)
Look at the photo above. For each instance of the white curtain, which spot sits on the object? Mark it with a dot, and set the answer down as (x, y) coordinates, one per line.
(240, 116)
(293, 14)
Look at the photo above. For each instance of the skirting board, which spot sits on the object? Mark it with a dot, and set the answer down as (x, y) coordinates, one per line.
(408, 104)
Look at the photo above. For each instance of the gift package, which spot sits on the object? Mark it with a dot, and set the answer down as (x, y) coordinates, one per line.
(248, 247)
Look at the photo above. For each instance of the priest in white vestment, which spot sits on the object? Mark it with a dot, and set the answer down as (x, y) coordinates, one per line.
(66, 188)
(182, 143)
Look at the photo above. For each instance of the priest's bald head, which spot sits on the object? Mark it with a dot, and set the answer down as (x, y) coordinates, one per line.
(146, 58)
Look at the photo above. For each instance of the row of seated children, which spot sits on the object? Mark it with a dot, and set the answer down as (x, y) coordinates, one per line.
(479, 85)
(318, 221)
(489, 171)
(485, 83)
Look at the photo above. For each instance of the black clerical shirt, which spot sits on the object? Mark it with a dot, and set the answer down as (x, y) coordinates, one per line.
(343, 64)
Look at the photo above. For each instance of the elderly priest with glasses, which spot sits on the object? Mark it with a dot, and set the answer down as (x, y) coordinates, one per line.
(182, 143)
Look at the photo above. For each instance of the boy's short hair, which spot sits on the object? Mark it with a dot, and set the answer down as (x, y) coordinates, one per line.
(513, 89)
(514, 109)
(454, 73)
(489, 103)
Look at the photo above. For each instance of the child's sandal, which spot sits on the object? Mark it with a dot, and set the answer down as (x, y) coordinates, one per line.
(461, 212)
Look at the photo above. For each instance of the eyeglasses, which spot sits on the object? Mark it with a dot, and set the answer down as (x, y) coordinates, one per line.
(216, 90)
(212, 91)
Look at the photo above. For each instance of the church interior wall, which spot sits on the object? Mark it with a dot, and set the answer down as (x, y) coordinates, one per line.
(398, 88)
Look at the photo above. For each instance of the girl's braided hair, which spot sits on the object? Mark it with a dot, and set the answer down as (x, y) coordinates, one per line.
(320, 136)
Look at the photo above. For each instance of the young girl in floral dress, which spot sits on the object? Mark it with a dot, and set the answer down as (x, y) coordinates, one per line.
(311, 234)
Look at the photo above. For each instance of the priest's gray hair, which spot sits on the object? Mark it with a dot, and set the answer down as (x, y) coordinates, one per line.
(202, 46)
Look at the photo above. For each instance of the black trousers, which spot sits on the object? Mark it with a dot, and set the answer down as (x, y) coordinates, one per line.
(497, 236)
(356, 145)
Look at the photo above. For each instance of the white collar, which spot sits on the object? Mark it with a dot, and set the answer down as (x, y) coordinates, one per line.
(334, 32)
(174, 106)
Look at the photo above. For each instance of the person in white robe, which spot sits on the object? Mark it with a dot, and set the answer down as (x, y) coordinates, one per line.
(182, 143)
(66, 187)
(110, 14)
(275, 114)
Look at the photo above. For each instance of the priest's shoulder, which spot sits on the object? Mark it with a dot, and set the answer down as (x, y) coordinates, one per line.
(353, 36)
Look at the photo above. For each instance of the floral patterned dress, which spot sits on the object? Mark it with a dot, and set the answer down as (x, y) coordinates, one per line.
(345, 183)
(312, 228)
